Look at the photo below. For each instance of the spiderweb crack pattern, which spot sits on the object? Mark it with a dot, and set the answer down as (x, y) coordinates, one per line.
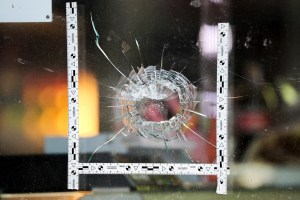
(146, 98)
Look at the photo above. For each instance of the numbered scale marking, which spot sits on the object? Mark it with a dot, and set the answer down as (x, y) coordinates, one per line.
(75, 168)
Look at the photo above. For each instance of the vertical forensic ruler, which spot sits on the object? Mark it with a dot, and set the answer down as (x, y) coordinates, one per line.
(73, 111)
(222, 107)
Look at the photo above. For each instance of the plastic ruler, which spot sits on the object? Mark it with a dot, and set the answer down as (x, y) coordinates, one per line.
(75, 168)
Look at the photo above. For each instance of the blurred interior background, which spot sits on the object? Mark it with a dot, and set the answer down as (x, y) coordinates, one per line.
(264, 90)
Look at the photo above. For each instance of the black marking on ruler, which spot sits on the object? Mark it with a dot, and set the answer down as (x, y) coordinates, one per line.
(150, 168)
(222, 84)
(222, 158)
(74, 151)
(72, 8)
(83, 168)
(73, 78)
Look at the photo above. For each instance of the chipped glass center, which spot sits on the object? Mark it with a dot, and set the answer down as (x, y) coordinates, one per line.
(155, 102)
(159, 110)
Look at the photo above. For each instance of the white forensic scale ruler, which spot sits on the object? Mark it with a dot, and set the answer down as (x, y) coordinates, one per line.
(75, 168)
(73, 104)
(222, 108)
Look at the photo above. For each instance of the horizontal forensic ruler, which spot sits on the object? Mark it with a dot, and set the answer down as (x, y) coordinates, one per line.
(148, 168)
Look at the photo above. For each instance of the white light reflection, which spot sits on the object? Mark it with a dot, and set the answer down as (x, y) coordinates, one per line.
(208, 35)
(216, 1)
(198, 3)
(208, 104)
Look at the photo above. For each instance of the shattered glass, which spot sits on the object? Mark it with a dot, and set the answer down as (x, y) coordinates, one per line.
(149, 96)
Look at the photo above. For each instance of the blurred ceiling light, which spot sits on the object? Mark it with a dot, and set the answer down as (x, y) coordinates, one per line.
(208, 35)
